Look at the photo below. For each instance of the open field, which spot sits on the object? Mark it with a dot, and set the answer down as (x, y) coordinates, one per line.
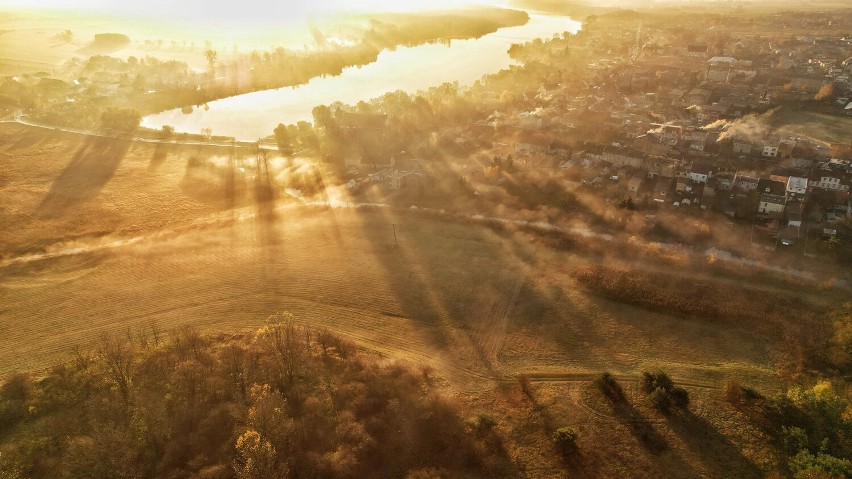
(133, 239)
(819, 126)
(114, 236)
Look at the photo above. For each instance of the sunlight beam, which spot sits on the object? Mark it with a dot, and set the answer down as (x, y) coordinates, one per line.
(249, 10)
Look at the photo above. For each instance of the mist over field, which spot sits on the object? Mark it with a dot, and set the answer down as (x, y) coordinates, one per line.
(394, 239)
(251, 10)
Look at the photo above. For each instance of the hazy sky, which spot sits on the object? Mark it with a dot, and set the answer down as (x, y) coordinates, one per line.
(245, 9)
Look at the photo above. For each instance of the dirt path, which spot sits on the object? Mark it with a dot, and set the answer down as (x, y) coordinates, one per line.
(493, 332)
(20, 120)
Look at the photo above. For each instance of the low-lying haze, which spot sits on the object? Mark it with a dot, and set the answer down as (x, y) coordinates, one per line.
(250, 10)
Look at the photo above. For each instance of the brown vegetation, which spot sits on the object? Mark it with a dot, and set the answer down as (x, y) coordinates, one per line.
(342, 270)
(798, 326)
(669, 293)
(285, 402)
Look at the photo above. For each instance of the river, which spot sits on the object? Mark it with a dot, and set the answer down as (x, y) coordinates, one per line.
(254, 115)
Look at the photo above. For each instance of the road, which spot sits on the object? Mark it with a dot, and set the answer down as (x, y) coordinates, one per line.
(21, 120)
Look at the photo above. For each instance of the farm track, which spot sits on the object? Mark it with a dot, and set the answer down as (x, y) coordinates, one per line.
(494, 330)
(20, 120)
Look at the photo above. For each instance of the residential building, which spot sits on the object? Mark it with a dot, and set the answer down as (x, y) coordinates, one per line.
(746, 184)
(772, 187)
(661, 189)
(829, 180)
(797, 187)
(697, 50)
(725, 181)
(700, 173)
(769, 151)
(771, 205)
(743, 147)
(635, 184)
(794, 214)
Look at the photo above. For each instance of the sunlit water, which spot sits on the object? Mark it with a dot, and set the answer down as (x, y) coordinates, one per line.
(255, 115)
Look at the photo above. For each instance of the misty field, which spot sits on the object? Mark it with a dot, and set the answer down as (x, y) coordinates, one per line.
(141, 240)
(34, 41)
(819, 126)
(37, 41)
(110, 235)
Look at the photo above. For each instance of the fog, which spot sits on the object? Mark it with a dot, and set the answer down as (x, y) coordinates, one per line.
(250, 10)
(753, 126)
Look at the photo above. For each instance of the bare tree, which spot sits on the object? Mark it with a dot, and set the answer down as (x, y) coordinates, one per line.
(234, 362)
(117, 358)
(287, 343)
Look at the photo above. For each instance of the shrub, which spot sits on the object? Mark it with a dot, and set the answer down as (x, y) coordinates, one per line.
(481, 424)
(751, 393)
(526, 386)
(795, 439)
(15, 394)
(805, 465)
(660, 400)
(122, 120)
(733, 392)
(737, 394)
(679, 397)
(426, 473)
(670, 294)
(566, 439)
(656, 380)
(648, 385)
(111, 39)
(9, 469)
(609, 387)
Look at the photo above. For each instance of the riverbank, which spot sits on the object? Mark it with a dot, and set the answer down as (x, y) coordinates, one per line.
(409, 69)
(70, 91)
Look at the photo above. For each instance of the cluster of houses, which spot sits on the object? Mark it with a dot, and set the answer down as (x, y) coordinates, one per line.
(679, 123)
(776, 202)
(692, 123)
(670, 99)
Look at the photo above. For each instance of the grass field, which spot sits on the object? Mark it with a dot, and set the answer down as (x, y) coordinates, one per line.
(819, 126)
(30, 43)
(109, 236)
(472, 298)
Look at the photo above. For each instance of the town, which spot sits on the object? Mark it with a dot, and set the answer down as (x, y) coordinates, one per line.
(718, 113)
(647, 115)
(527, 240)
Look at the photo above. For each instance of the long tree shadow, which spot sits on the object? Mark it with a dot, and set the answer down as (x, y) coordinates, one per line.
(540, 416)
(269, 230)
(92, 167)
(214, 183)
(31, 137)
(717, 453)
(161, 152)
(646, 432)
(443, 287)
(639, 426)
(404, 273)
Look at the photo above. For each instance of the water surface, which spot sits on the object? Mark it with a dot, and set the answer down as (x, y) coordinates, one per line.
(255, 115)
